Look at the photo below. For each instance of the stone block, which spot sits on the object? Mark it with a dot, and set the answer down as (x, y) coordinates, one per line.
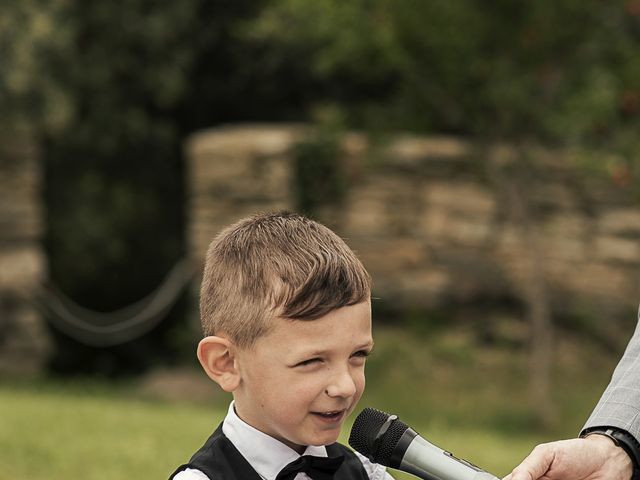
(22, 267)
(245, 140)
(610, 248)
(604, 283)
(461, 198)
(424, 287)
(25, 343)
(620, 221)
(412, 149)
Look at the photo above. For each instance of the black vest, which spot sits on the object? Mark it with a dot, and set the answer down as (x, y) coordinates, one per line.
(219, 459)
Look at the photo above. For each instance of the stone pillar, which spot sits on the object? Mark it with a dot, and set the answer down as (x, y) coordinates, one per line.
(234, 172)
(24, 340)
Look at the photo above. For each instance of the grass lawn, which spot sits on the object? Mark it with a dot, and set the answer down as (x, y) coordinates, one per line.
(62, 433)
(54, 434)
(466, 400)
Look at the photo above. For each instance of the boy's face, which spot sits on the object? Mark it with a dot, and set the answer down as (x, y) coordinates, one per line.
(301, 380)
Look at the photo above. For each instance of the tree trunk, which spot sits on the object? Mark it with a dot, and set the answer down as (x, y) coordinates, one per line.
(533, 286)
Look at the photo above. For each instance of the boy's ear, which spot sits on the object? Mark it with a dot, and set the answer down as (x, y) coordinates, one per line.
(217, 357)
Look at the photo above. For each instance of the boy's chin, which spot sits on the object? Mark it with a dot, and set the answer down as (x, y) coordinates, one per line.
(325, 438)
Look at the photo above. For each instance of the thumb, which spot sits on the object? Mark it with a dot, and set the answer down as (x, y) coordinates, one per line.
(535, 466)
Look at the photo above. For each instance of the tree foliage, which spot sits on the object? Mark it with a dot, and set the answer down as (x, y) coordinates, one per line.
(109, 90)
(555, 71)
(31, 36)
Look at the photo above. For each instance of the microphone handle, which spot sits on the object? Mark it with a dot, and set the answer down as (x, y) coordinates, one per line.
(485, 476)
(429, 462)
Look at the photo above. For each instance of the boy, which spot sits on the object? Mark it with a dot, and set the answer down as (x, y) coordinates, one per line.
(286, 313)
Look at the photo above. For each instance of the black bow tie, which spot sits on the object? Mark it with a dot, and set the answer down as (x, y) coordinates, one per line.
(318, 468)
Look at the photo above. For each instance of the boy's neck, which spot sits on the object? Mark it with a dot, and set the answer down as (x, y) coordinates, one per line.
(299, 449)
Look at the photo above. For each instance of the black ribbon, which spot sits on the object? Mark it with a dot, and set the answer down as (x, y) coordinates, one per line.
(318, 468)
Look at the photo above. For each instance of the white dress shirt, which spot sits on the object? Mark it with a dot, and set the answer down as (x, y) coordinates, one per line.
(267, 456)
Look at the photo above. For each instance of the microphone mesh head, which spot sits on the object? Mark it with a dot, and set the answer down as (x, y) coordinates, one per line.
(365, 430)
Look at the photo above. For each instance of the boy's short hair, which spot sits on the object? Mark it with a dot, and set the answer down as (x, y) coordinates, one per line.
(276, 265)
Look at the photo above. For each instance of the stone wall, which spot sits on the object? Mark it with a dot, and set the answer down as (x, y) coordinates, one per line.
(23, 336)
(438, 221)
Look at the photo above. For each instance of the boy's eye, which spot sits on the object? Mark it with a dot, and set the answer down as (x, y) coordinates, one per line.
(310, 361)
(362, 353)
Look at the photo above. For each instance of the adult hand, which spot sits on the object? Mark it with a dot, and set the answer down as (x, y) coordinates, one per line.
(595, 457)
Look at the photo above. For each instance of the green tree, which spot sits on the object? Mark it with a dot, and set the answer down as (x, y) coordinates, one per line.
(556, 72)
(109, 91)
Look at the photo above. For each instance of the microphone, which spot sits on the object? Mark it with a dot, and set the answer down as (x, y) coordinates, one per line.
(386, 440)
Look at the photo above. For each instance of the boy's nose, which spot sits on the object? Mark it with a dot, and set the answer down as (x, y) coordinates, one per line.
(342, 385)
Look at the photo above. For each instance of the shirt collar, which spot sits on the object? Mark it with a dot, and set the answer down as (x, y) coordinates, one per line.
(266, 455)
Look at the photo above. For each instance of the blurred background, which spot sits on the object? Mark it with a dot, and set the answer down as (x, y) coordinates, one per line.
(482, 158)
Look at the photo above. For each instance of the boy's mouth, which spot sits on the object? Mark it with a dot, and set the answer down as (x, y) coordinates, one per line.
(330, 416)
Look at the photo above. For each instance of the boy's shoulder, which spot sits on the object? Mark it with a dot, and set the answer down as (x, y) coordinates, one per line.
(216, 458)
